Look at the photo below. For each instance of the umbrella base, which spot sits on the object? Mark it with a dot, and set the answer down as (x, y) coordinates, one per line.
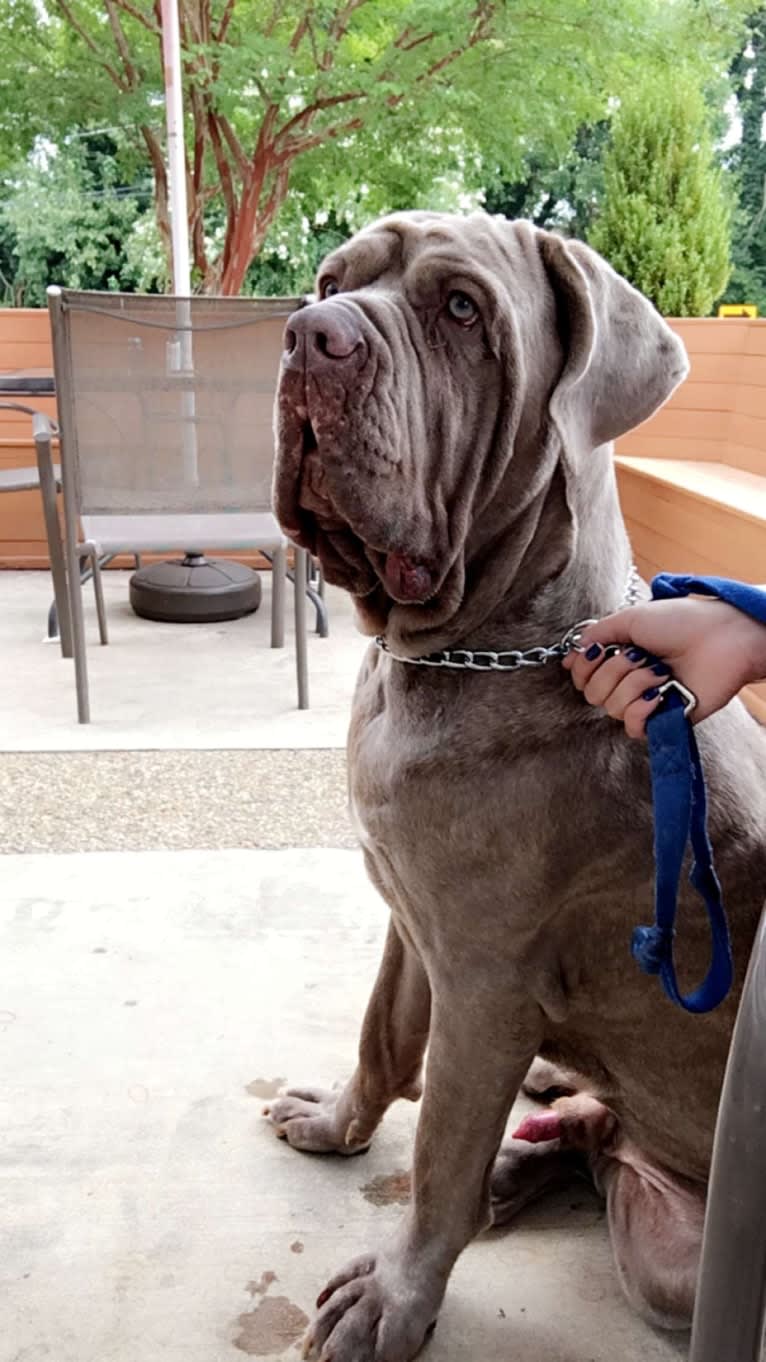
(195, 590)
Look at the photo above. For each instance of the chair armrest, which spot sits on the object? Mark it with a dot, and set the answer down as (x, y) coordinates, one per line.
(43, 427)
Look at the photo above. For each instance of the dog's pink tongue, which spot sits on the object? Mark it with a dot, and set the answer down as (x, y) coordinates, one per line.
(538, 1129)
(406, 579)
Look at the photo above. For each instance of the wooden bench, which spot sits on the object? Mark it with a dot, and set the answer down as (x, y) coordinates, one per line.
(692, 479)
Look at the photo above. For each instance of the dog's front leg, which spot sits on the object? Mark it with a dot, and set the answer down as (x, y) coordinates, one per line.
(391, 1049)
(382, 1307)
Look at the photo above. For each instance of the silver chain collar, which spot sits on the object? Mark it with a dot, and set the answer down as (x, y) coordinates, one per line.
(512, 659)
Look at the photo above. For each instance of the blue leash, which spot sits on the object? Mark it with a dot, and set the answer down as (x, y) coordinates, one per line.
(680, 818)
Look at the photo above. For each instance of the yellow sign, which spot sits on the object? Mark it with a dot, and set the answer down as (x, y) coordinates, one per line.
(738, 310)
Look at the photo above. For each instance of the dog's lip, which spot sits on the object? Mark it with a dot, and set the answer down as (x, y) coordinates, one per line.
(408, 580)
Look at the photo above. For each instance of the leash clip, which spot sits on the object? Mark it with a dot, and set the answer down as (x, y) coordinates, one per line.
(570, 643)
(688, 696)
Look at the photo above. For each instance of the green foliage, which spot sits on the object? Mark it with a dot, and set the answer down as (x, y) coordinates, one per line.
(73, 219)
(666, 219)
(344, 108)
(747, 160)
(354, 106)
(560, 194)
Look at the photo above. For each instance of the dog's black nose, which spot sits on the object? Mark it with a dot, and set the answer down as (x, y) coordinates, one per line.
(323, 336)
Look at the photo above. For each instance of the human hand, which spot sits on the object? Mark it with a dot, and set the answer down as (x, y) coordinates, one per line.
(711, 647)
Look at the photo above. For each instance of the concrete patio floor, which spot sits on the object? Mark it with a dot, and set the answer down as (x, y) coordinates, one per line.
(148, 1003)
(170, 686)
(185, 925)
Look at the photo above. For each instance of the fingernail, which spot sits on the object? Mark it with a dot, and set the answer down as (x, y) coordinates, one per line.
(651, 693)
(593, 652)
(635, 655)
(660, 669)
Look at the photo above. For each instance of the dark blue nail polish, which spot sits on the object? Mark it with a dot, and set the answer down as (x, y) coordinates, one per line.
(635, 655)
(651, 694)
(593, 652)
(660, 669)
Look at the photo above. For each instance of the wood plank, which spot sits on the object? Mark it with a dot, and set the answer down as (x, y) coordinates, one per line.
(703, 395)
(26, 355)
(663, 553)
(750, 399)
(18, 423)
(755, 343)
(24, 323)
(684, 534)
(711, 335)
(734, 368)
(747, 430)
(688, 425)
(744, 494)
(749, 458)
(643, 444)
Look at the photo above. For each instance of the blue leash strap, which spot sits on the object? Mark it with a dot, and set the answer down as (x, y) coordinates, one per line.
(680, 817)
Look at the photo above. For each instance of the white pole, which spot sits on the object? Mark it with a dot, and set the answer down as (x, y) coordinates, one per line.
(181, 357)
(174, 114)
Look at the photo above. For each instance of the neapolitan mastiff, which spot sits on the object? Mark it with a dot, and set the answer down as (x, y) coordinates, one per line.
(445, 416)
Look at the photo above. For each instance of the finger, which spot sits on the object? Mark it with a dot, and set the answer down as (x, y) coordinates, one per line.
(606, 678)
(637, 714)
(632, 688)
(617, 628)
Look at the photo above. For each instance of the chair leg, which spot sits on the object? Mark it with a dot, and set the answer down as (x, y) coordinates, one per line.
(731, 1290)
(98, 591)
(78, 634)
(55, 546)
(278, 593)
(301, 632)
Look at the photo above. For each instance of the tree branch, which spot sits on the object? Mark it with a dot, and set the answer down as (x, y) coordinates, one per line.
(227, 185)
(306, 115)
(226, 18)
(233, 143)
(296, 147)
(276, 15)
(338, 30)
(138, 14)
(111, 71)
(121, 43)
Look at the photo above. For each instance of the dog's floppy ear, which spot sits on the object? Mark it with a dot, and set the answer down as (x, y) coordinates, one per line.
(621, 360)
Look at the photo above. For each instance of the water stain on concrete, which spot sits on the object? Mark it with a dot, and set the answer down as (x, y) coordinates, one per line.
(261, 1287)
(389, 1189)
(265, 1087)
(274, 1325)
(297, 1247)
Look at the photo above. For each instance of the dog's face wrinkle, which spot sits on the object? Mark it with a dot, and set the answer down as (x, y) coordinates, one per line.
(407, 449)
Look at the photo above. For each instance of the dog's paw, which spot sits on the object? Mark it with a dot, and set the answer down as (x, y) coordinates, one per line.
(316, 1120)
(373, 1312)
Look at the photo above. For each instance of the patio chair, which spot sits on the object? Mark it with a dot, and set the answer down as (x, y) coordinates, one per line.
(731, 1292)
(45, 476)
(165, 412)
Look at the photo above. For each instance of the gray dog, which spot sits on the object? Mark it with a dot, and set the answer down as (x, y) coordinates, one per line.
(445, 417)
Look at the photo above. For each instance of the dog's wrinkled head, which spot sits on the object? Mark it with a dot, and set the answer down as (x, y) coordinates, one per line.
(426, 400)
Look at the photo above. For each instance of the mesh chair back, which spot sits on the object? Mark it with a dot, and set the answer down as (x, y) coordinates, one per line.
(167, 403)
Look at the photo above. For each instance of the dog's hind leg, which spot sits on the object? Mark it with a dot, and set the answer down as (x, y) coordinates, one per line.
(523, 1173)
(655, 1216)
(655, 1222)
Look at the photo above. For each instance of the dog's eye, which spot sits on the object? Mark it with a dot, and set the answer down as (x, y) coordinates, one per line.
(462, 308)
(329, 288)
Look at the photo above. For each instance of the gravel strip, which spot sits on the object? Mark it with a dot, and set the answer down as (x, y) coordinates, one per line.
(148, 801)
